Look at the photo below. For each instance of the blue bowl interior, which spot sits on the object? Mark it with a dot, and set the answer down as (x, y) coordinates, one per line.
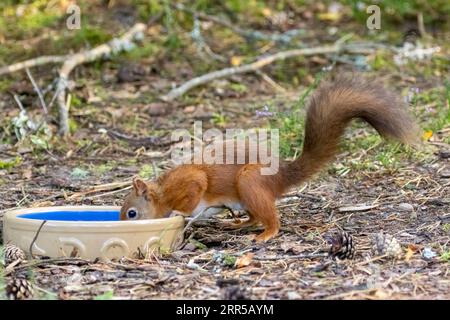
(73, 215)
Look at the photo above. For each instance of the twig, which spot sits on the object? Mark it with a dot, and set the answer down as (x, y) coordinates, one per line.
(114, 46)
(38, 91)
(152, 141)
(104, 187)
(356, 208)
(19, 103)
(77, 261)
(421, 25)
(155, 170)
(270, 81)
(196, 35)
(35, 238)
(297, 256)
(214, 19)
(32, 63)
(371, 260)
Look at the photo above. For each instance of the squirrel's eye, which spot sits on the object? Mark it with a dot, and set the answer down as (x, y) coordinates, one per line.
(132, 213)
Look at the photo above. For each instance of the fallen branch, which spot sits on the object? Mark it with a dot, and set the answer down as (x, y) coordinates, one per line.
(114, 46)
(32, 63)
(258, 64)
(356, 208)
(296, 256)
(38, 91)
(337, 47)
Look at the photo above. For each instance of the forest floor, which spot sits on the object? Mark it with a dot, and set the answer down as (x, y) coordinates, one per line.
(406, 191)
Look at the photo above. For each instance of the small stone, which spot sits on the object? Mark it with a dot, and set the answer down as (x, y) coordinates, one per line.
(292, 295)
(219, 91)
(190, 247)
(192, 265)
(445, 174)
(157, 109)
(189, 109)
(444, 154)
(144, 88)
(405, 207)
(428, 253)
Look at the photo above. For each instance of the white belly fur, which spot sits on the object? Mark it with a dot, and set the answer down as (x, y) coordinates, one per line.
(213, 211)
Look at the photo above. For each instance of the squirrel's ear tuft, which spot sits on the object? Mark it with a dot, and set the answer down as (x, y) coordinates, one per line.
(139, 186)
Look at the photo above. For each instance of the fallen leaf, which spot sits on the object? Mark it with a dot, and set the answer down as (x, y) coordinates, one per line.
(329, 16)
(409, 253)
(427, 135)
(27, 173)
(236, 60)
(244, 261)
(266, 12)
(381, 294)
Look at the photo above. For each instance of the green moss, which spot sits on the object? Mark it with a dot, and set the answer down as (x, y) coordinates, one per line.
(105, 168)
(147, 9)
(12, 52)
(73, 125)
(9, 164)
(149, 49)
(33, 18)
(198, 244)
(219, 119)
(238, 87)
(431, 106)
(228, 260)
(383, 60)
(445, 256)
(4, 83)
(446, 227)
(146, 171)
(79, 173)
(395, 11)
(87, 36)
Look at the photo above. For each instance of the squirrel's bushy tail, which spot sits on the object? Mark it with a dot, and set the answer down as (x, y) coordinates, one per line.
(332, 107)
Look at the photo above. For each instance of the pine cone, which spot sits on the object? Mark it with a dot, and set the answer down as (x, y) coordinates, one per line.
(19, 289)
(342, 246)
(13, 253)
(385, 244)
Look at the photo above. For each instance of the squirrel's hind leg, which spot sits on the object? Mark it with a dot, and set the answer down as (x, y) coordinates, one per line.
(259, 201)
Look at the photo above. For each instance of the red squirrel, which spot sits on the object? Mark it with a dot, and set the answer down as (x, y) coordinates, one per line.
(190, 188)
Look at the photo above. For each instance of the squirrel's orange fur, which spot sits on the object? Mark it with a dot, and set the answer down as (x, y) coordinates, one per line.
(190, 188)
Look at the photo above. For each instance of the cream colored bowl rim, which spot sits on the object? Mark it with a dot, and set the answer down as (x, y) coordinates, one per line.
(11, 217)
